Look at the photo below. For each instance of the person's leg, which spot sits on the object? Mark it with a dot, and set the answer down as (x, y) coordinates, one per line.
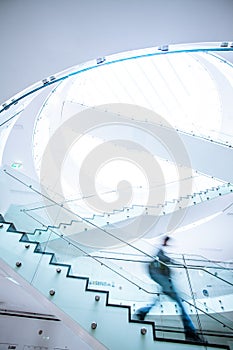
(143, 311)
(187, 322)
(189, 328)
(169, 289)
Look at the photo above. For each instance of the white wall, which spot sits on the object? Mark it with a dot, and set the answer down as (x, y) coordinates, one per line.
(28, 333)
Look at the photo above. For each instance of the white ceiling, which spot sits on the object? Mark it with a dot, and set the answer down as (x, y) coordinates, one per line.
(40, 38)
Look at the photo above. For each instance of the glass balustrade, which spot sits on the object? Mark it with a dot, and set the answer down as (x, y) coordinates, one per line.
(212, 56)
(95, 244)
(64, 237)
(202, 292)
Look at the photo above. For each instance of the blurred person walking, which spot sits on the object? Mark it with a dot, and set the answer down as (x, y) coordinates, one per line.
(160, 272)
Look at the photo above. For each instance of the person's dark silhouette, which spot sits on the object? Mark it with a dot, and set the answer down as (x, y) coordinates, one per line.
(160, 272)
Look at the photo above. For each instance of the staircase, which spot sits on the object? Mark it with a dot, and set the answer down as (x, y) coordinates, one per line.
(112, 324)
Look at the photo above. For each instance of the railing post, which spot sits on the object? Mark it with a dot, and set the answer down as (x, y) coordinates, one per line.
(192, 294)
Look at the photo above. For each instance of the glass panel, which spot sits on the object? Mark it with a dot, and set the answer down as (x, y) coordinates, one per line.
(92, 244)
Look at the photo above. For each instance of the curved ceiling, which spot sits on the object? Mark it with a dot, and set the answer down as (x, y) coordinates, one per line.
(41, 38)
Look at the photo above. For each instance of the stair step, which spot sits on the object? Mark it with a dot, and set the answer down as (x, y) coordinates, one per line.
(111, 325)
